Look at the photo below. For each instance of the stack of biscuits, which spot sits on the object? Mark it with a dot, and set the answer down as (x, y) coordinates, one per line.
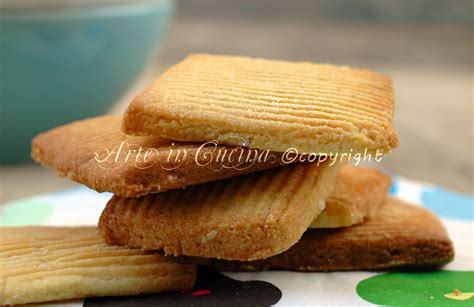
(230, 162)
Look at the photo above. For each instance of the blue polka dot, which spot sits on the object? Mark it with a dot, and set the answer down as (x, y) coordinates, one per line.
(448, 204)
(394, 188)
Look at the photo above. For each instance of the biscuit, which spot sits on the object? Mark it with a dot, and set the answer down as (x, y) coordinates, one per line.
(357, 195)
(400, 236)
(40, 264)
(243, 218)
(267, 104)
(96, 153)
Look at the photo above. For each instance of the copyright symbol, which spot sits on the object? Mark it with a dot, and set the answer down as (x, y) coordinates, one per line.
(290, 155)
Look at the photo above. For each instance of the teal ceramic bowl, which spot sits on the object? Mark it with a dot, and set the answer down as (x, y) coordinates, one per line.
(63, 64)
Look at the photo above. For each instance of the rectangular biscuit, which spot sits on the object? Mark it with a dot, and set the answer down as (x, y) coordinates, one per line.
(358, 194)
(96, 153)
(267, 104)
(400, 236)
(41, 264)
(243, 218)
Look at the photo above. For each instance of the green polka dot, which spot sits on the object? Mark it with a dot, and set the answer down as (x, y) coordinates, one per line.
(25, 212)
(417, 288)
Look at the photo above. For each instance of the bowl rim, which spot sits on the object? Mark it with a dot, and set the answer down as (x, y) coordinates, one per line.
(87, 11)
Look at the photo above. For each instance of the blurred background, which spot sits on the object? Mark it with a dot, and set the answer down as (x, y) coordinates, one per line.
(426, 46)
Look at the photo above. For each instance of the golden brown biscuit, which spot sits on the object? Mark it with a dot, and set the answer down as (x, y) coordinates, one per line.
(358, 194)
(94, 152)
(243, 218)
(401, 235)
(266, 104)
(40, 264)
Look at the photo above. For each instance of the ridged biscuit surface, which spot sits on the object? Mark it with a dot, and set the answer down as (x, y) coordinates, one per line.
(243, 218)
(96, 153)
(266, 104)
(40, 264)
(400, 236)
(358, 194)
